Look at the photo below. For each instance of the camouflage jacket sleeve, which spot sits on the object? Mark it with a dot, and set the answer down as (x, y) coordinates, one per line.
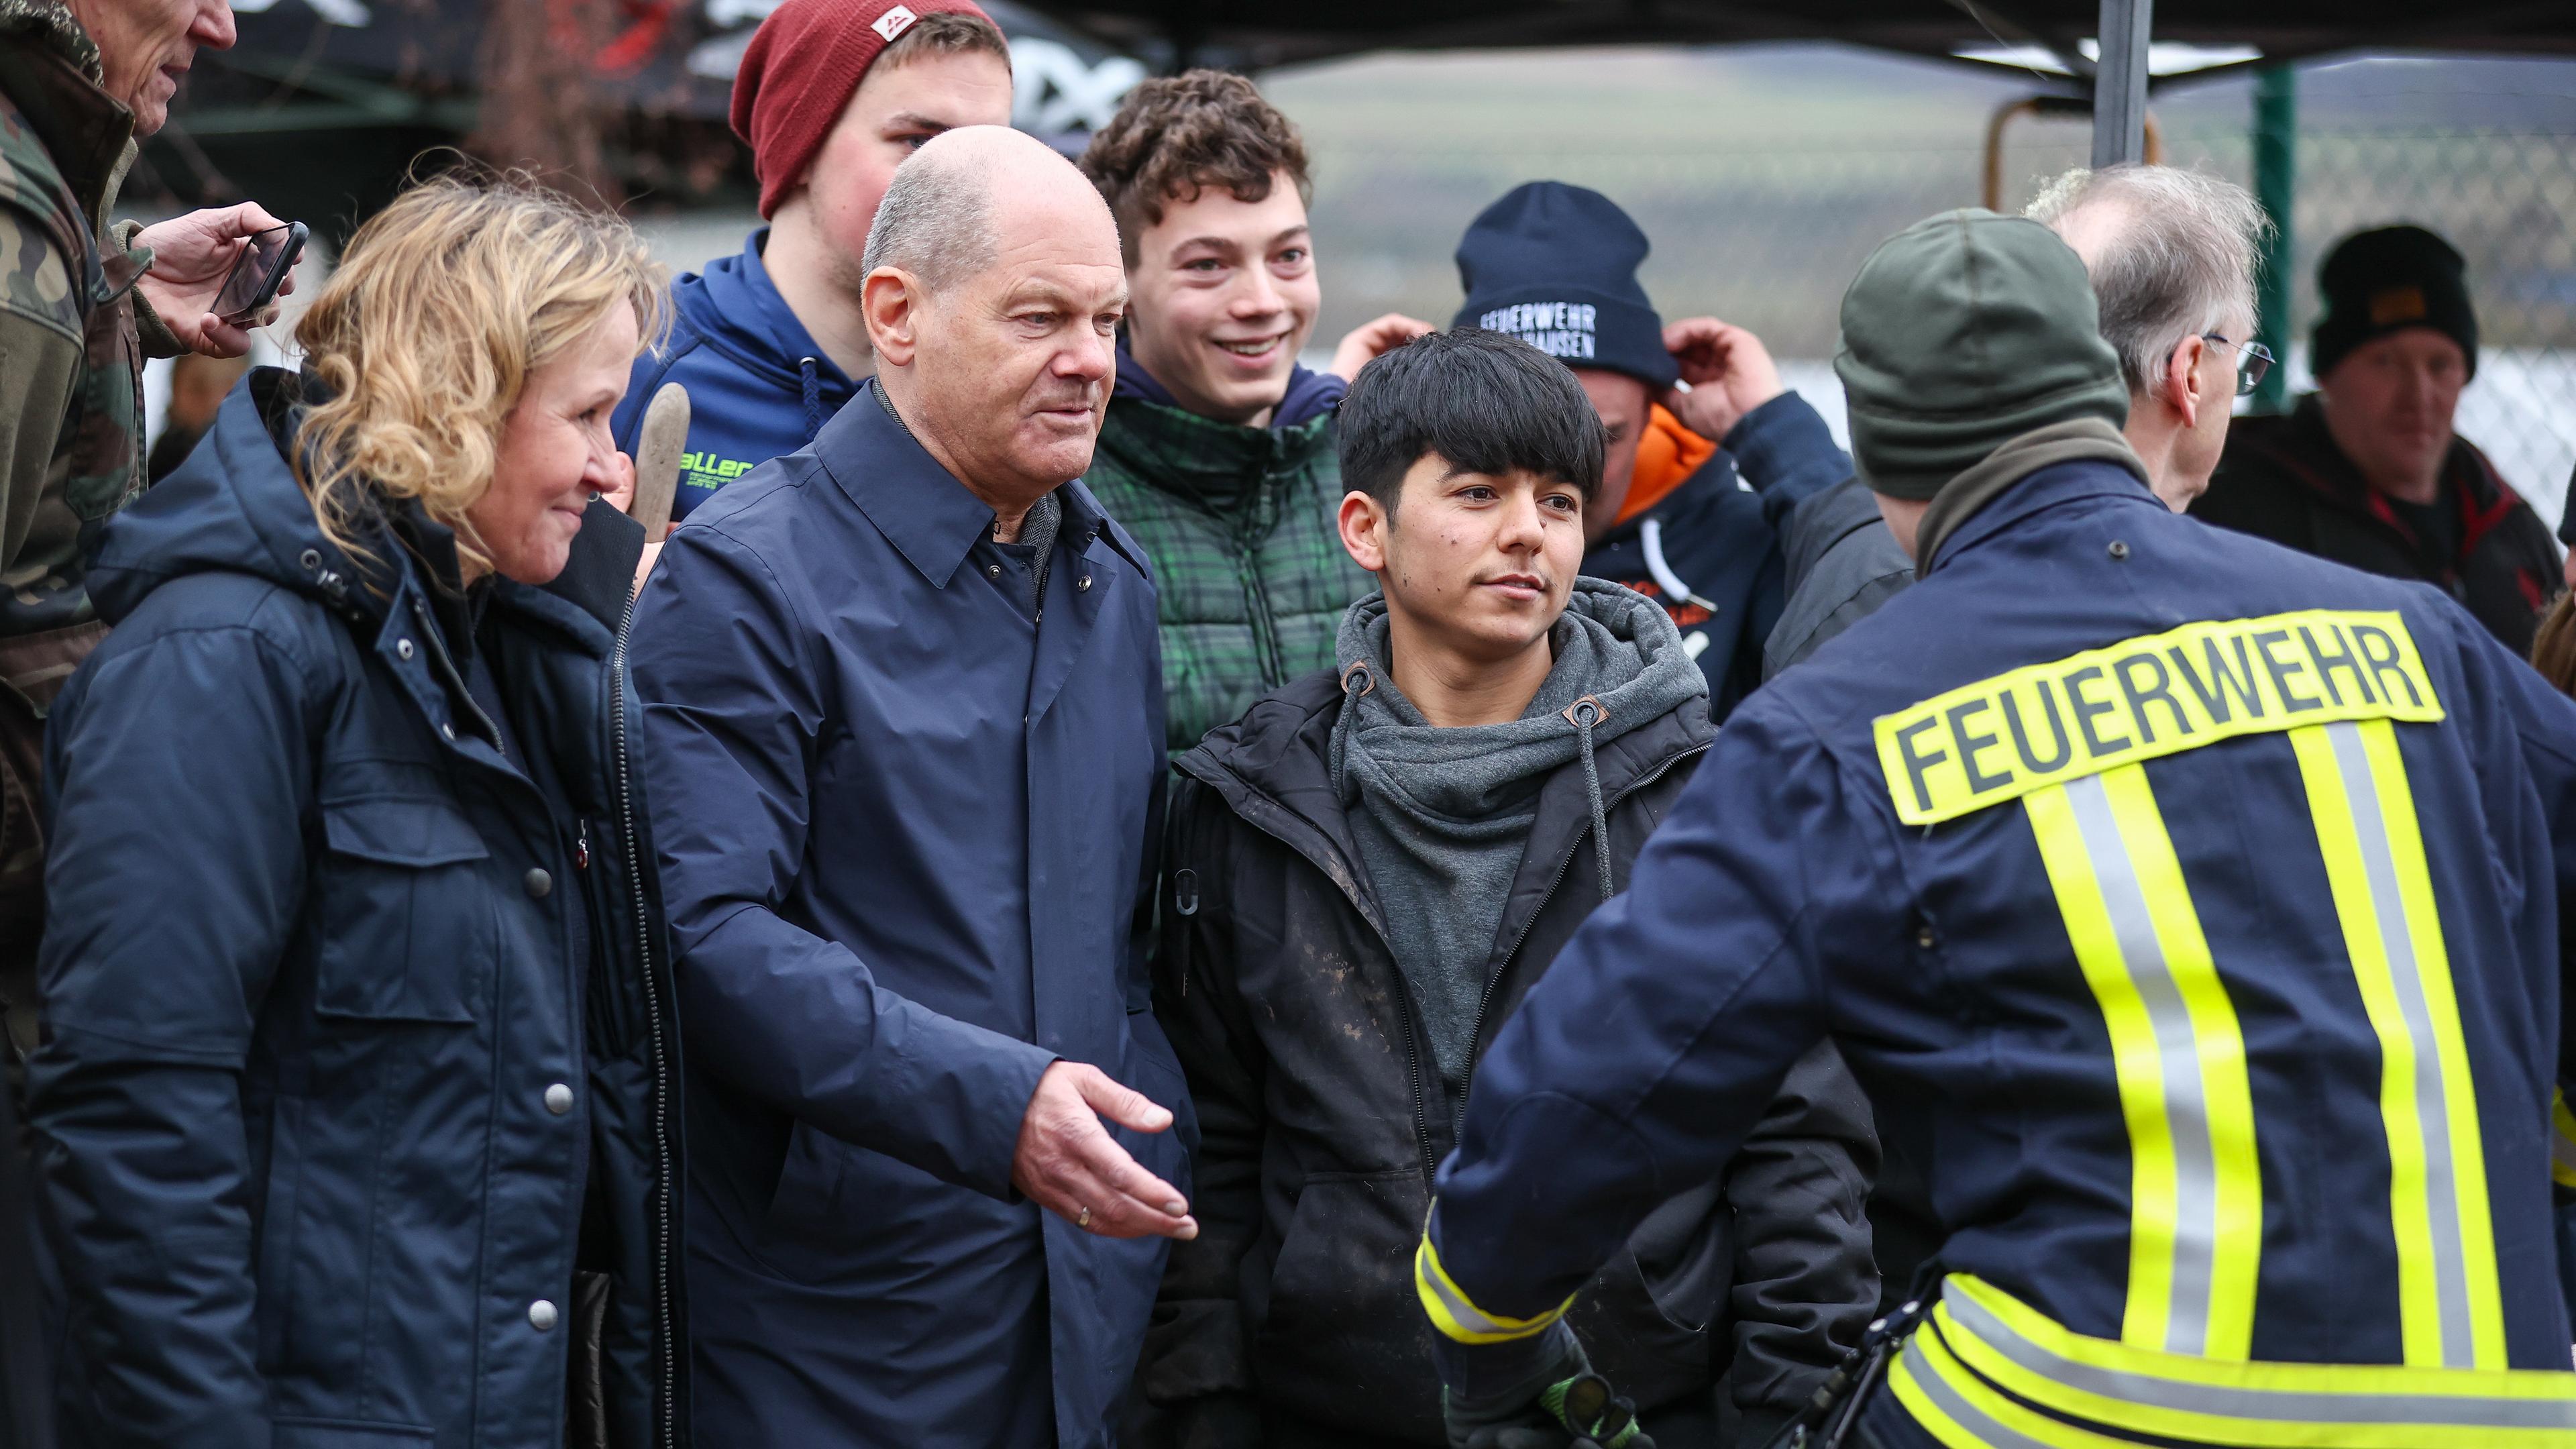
(158, 339)
(40, 366)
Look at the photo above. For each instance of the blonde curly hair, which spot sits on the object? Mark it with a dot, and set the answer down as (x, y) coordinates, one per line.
(423, 339)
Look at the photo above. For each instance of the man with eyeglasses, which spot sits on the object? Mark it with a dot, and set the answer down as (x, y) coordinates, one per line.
(2368, 470)
(2171, 255)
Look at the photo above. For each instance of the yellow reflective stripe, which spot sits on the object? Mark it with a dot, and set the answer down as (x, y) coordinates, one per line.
(2450, 1307)
(1454, 1314)
(2196, 1185)
(2259, 1404)
(2001, 738)
(2562, 1140)
(1955, 1407)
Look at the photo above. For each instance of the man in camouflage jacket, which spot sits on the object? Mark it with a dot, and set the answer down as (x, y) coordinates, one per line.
(82, 304)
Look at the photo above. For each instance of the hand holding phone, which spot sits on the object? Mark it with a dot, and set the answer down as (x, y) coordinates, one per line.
(266, 258)
(196, 260)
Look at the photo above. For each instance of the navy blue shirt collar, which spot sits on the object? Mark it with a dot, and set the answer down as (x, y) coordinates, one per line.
(921, 508)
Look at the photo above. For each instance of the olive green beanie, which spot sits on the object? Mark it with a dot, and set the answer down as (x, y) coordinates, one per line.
(1962, 333)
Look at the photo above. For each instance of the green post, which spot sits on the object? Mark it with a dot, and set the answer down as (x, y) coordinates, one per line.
(2276, 185)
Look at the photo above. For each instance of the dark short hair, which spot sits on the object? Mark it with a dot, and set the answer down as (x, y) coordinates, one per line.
(1484, 402)
(1175, 136)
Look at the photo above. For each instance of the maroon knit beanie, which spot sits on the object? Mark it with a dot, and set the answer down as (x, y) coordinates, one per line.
(799, 71)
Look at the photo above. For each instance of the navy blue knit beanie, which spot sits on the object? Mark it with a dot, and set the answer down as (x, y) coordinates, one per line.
(1556, 266)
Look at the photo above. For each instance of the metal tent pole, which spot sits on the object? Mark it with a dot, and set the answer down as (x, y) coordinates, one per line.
(2120, 83)
(2276, 184)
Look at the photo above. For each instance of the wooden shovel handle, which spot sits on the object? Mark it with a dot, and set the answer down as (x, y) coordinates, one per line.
(657, 459)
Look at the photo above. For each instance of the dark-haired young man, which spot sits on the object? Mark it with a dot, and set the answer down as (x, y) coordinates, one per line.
(1217, 451)
(831, 96)
(1368, 871)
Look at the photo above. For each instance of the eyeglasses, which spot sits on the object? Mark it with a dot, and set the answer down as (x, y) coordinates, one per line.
(2253, 359)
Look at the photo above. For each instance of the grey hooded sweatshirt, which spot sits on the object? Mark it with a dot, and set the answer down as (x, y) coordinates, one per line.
(1441, 815)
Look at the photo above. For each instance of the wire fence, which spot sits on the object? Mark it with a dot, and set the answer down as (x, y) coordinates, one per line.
(1768, 235)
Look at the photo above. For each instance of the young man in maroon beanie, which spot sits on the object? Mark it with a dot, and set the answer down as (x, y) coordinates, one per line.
(831, 96)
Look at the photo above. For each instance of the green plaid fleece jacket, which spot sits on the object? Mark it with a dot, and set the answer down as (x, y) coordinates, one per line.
(1249, 572)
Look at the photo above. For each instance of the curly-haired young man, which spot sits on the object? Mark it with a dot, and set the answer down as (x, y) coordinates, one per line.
(1217, 452)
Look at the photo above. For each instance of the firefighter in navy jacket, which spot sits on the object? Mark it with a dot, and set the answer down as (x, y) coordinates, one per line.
(2189, 907)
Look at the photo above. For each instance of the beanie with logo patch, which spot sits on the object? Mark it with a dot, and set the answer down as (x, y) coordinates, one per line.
(799, 70)
(1556, 266)
(2377, 282)
(1961, 333)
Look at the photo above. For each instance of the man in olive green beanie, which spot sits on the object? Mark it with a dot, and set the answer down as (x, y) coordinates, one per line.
(1971, 357)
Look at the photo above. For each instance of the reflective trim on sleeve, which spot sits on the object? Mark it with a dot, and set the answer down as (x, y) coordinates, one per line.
(2196, 1184)
(2451, 1309)
(1454, 1315)
(2002, 1343)
(2562, 1140)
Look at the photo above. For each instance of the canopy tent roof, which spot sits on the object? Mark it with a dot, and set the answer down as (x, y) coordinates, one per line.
(1260, 33)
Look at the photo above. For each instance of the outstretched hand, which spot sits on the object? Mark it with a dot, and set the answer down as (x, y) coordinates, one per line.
(191, 256)
(1068, 1163)
(1729, 371)
(1369, 339)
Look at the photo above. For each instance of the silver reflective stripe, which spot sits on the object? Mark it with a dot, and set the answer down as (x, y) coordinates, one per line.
(2272, 1405)
(1468, 1315)
(2432, 1106)
(2178, 1050)
(1985, 1426)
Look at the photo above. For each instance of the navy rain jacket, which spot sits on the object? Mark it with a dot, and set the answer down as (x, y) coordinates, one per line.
(2285, 894)
(759, 385)
(354, 1114)
(904, 830)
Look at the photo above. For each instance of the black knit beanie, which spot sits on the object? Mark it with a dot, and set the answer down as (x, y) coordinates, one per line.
(1961, 333)
(2377, 282)
(1556, 266)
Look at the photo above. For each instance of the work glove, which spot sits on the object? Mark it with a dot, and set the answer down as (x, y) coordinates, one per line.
(1571, 1408)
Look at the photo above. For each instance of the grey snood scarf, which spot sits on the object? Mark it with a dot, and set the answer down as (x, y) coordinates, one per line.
(1442, 815)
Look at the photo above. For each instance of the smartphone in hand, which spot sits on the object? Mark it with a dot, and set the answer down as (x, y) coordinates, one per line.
(266, 259)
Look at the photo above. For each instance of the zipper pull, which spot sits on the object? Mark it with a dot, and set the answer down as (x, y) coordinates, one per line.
(581, 845)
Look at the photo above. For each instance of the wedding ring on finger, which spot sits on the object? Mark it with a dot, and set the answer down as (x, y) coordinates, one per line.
(1084, 1222)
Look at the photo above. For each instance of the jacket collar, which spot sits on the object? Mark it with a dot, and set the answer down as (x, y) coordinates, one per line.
(920, 506)
(1309, 394)
(2305, 448)
(2021, 477)
(1220, 466)
(1668, 456)
(50, 68)
(1273, 767)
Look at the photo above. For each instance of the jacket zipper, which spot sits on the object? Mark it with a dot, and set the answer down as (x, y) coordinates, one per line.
(635, 868)
(1485, 1002)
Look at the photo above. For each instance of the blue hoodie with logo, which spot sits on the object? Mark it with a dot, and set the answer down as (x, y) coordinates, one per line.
(759, 386)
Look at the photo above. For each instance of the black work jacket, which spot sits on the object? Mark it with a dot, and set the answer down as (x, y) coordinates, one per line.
(2284, 479)
(1322, 1119)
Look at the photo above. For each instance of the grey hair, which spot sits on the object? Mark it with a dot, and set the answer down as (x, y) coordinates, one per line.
(935, 222)
(2178, 262)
